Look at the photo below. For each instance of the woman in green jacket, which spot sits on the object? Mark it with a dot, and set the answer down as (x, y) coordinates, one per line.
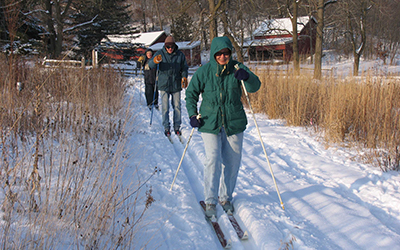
(222, 121)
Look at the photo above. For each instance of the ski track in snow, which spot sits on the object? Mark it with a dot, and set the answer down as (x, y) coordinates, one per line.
(330, 202)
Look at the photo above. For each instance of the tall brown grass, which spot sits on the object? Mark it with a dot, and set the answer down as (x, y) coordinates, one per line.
(363, 111)
(62, 146)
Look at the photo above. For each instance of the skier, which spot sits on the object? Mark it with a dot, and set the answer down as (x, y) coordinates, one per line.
(172, 77)
(222, 121)
(151, 90)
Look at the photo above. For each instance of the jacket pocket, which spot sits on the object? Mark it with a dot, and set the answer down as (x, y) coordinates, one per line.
(236, 118)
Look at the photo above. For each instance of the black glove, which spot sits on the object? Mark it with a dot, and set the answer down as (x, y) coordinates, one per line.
(242, 74)
(194, 122)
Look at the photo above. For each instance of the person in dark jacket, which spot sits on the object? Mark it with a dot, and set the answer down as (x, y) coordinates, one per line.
(222, 121)
(151, 90)
(172, 77)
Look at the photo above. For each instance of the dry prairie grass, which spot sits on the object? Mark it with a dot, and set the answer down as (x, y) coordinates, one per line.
(62, 143)
(363, 111)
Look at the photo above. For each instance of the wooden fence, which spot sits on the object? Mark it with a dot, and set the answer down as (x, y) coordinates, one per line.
(52, 63)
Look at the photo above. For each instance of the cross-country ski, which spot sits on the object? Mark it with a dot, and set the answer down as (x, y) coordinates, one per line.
(243, 235)
(217, 229)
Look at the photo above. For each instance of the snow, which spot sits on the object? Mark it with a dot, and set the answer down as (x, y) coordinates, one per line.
(279, 26)
(181, 45)
(330, 200)
(147, 38)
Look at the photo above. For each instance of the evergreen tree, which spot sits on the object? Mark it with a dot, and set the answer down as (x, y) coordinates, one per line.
(100, 18)
(23, 30)
(182, 27)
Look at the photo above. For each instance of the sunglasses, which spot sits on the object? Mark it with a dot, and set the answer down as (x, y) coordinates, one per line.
(169, 46)
(225, 53)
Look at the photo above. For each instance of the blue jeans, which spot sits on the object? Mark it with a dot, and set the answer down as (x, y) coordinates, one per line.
(176, 106)
(223, 155)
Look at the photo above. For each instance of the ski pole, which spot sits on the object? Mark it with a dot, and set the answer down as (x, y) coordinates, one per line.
(154, 95)
(261, 140)
(140, 86)
(184, 151)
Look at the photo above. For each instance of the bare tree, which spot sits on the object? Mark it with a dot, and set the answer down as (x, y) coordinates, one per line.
(321, 5)
(202, 29)
(384, 27)
(230, 31)
(392, 35)
(55, 15)
(292, 7)
(354, 13)
(213, 16)
(201, 16)
(11, 12)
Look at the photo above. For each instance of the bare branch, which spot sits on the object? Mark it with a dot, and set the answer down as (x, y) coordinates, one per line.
(10, 5)
(81, 25)
(329, 2)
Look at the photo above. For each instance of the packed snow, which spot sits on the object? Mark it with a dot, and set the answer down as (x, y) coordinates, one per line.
(330, 200)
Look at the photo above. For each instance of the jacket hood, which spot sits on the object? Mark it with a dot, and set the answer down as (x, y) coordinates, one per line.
(217, 44)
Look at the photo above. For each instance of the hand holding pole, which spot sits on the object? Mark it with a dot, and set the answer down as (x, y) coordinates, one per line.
(184, 151)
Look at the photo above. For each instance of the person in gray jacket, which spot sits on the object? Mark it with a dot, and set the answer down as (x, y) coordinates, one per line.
(172, 78)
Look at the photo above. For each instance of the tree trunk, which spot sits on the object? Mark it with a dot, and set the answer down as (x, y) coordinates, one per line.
(50, 27)
(296, 58)
(238, 49)
(319, 40)
(357, 29)
(144, 15)
(158, 14)
(213, 17)
(212, 22)
(356, 64)
(59, 28)
(55, 25)
(204, 33)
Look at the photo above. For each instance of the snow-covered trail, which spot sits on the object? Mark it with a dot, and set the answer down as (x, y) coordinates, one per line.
(319, 188)
(330, 201)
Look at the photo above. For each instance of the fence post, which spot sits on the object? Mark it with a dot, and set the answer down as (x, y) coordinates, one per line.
(94, 58)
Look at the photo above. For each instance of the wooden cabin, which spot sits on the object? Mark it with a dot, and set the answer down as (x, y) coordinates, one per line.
(273, 39)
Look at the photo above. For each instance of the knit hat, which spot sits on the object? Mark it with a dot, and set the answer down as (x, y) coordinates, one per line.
(169, 40)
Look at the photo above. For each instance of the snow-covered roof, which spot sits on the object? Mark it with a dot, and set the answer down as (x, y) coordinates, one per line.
(280, 26)
(181, 45)
(146, 39)
(268, 42)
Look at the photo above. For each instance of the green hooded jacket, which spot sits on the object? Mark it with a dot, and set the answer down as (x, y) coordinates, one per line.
(221, 105)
